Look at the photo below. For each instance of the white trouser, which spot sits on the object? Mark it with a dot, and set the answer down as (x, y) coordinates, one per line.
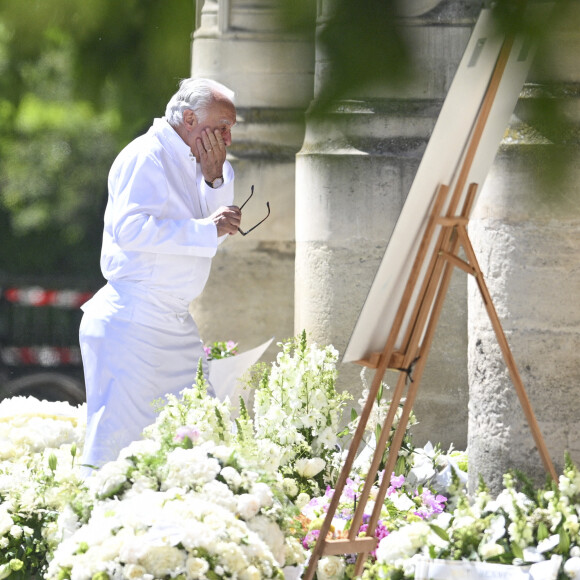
(136, 347)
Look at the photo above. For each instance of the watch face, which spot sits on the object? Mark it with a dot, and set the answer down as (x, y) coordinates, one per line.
(217, 182)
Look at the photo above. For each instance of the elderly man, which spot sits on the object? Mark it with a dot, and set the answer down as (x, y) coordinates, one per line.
(169, 206)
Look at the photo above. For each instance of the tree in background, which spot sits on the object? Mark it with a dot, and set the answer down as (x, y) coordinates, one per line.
(78, 80)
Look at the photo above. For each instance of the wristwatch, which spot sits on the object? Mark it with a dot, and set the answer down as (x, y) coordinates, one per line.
(217, 182)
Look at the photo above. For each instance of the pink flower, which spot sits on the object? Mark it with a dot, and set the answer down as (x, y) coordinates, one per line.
(397, 481)
(192, 433)
(380, 532)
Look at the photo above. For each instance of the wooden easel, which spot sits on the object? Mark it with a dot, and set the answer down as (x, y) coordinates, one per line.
(445, 237)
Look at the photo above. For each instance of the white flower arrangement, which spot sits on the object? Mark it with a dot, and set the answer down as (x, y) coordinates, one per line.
(164, 534)
(297, 415)
(202, 496)
(39, 443)
(184, 502)
(527, 528)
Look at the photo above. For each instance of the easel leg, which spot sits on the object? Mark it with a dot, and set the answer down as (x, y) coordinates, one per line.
(507, 354)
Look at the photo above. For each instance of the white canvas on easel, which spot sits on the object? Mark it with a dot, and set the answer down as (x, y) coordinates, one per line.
(442, 158)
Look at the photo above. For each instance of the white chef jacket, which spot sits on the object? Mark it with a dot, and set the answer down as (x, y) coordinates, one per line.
(138, 340)
(157, 231)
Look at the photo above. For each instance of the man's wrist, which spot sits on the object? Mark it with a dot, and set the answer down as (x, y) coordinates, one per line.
(215, 183)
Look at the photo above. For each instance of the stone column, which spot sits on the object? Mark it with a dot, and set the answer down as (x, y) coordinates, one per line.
(353, 173)
(526, 232)
(250, 295)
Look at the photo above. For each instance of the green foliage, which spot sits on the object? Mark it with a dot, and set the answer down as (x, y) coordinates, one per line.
(78, 80)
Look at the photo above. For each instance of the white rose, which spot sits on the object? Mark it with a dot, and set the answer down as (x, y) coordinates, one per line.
(162, 561)
(232, 476)
(16, 532)
(133, 572)
(196, 567)
(6, 521)
(248, 506)
(290, 487)
(309, 467)
(402, 543)
(572, 568)
(302, 500)
(140, 447)
(251, 573)
(110, 478)
(489, 550)
(330, 568)
(264, 494)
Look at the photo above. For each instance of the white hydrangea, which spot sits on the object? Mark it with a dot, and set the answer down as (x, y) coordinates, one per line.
(186, 468)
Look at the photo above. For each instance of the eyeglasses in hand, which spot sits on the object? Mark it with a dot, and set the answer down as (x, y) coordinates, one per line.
(242, 206)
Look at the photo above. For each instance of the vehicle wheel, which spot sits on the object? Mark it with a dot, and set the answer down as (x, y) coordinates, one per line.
(47, 386)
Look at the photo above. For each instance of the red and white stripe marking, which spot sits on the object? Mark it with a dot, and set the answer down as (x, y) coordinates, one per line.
(44, 356)
(37, 296)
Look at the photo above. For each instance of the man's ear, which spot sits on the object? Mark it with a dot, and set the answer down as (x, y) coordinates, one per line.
(189, 118)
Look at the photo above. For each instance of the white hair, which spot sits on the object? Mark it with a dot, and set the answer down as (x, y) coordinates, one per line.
(197, 95)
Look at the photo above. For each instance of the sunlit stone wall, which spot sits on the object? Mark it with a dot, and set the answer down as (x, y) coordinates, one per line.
(352, 176)
(526, 232)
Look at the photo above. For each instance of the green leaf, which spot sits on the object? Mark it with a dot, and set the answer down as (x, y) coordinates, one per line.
(564, 544)
(517, 551)
(52, 461)
(542, 532)
(440, 532)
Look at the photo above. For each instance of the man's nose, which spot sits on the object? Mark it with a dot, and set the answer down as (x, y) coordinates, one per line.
(228, 138)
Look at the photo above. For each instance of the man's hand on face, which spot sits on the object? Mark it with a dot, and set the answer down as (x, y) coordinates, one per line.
(227, 219)
(211, 152)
